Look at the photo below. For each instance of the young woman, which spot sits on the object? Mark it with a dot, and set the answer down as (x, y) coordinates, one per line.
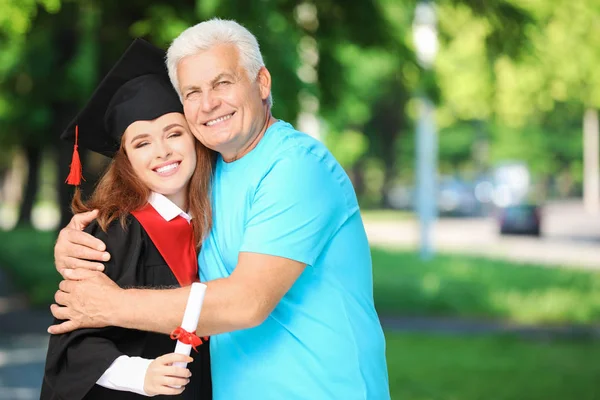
(158, 179)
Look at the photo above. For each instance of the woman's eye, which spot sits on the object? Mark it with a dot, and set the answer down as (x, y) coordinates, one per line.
(140, 144)
(175, 134)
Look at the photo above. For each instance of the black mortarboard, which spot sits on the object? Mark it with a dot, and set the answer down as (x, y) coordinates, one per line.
(137, 88)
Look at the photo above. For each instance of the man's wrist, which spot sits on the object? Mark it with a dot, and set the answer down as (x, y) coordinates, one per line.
(116, 307)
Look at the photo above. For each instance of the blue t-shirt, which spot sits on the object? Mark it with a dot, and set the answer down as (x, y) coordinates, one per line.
(289, 197)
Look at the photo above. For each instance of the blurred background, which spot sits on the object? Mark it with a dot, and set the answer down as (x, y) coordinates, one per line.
(469, 129)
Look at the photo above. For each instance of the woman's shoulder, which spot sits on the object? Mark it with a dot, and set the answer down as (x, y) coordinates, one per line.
(116, 228)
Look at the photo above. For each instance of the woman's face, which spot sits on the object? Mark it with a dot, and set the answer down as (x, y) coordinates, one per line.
(162, 154)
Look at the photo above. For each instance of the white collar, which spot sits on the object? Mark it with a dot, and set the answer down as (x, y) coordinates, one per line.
(166, 208)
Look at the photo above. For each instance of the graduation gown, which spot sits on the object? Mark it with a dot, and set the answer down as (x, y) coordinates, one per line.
(76, 360)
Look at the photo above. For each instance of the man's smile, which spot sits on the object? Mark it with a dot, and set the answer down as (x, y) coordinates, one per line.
(215, 121)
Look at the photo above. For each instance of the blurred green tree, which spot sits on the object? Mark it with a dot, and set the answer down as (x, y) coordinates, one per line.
(532, 104)
(358, 77)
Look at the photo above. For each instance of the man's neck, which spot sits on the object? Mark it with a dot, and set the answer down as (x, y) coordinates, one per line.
(254, 142)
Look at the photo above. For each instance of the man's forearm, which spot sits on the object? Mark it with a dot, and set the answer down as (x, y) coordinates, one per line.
(149, 309)
(224, 309)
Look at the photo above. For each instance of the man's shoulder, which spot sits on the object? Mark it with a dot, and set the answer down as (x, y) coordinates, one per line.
(288, 143)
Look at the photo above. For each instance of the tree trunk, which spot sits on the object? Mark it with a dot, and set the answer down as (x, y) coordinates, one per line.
(65, 151)
(358, 178)
(34, 159)
(388, 121)
(389, 168)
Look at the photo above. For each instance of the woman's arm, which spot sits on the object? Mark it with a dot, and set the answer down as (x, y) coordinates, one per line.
(77, 360)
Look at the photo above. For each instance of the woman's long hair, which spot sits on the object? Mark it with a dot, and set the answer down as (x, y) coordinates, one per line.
(119, 192)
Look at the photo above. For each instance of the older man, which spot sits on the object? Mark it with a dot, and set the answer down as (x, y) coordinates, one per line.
(289, 305)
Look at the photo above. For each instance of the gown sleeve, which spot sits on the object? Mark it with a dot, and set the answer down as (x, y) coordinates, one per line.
(76, 360)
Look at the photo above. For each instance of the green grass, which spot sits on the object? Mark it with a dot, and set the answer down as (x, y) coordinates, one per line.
(27, 256)
(430, 367)
(449, 286)
(475, 287)
(435, 367)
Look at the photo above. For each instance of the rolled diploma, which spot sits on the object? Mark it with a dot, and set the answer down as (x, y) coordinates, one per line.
(190, 318)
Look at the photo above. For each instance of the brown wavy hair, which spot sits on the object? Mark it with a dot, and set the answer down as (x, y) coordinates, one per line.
(119, 192)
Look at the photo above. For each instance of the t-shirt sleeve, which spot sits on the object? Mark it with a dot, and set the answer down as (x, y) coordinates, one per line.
(298, 206)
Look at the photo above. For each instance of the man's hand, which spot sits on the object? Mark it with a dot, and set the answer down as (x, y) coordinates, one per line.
(87, 299)
(77, 249)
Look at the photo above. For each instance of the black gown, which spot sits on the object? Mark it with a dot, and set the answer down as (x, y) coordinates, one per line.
(76, 360)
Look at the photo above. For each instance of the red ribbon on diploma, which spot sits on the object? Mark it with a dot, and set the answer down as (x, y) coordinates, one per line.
(187, 337)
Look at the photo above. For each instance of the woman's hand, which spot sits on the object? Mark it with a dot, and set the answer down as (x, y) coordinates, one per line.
(164, 378)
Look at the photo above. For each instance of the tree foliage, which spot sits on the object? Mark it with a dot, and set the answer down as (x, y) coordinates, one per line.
(514, 74)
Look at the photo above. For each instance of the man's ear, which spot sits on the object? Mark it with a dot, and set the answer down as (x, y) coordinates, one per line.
(264, 82)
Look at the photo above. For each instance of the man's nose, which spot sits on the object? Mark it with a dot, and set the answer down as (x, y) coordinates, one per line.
(210, 101)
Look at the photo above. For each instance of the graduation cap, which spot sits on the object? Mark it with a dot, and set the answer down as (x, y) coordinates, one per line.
(137, 88)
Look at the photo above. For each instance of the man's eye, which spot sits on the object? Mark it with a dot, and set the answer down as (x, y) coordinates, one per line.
(223, 83)
(192, 94)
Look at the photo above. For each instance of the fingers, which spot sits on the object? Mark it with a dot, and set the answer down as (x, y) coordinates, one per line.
(170, 391)
(65, 327)
(63, 286)
(175, 372)
(164, 378)
(76, 275)
(81, 220)
(168, 359)
(75, 263)
(86, 240)
(77, 242)
(61, 298)
(74, 247)
(61, 313)
(173, 381)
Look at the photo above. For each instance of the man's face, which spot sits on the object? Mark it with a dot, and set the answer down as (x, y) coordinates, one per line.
(225, 108)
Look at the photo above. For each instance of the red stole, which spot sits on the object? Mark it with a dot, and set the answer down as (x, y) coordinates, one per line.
(174, 240)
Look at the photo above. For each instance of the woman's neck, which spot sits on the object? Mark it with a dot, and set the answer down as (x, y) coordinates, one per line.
(179, 199)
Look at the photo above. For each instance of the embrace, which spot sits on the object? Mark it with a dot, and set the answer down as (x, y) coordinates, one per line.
(273, 218)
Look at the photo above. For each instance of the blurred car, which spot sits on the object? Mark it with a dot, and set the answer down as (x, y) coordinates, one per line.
(456, 197)
(523, 219)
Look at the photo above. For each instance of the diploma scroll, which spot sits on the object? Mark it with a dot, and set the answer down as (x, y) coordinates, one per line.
(190, 318)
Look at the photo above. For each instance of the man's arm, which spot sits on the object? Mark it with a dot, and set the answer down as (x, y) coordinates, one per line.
(297, 208)
(240, 301)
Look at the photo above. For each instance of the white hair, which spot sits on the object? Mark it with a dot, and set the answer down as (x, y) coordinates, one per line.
(207, 34)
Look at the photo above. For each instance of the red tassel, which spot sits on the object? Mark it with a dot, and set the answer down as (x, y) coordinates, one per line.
(75, 174)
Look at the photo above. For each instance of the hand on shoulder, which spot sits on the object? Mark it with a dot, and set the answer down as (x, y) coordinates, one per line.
(77, 249)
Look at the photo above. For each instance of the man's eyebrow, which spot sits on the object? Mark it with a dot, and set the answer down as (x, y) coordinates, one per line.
(190, 87)
(221, 76)
(212, 81)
